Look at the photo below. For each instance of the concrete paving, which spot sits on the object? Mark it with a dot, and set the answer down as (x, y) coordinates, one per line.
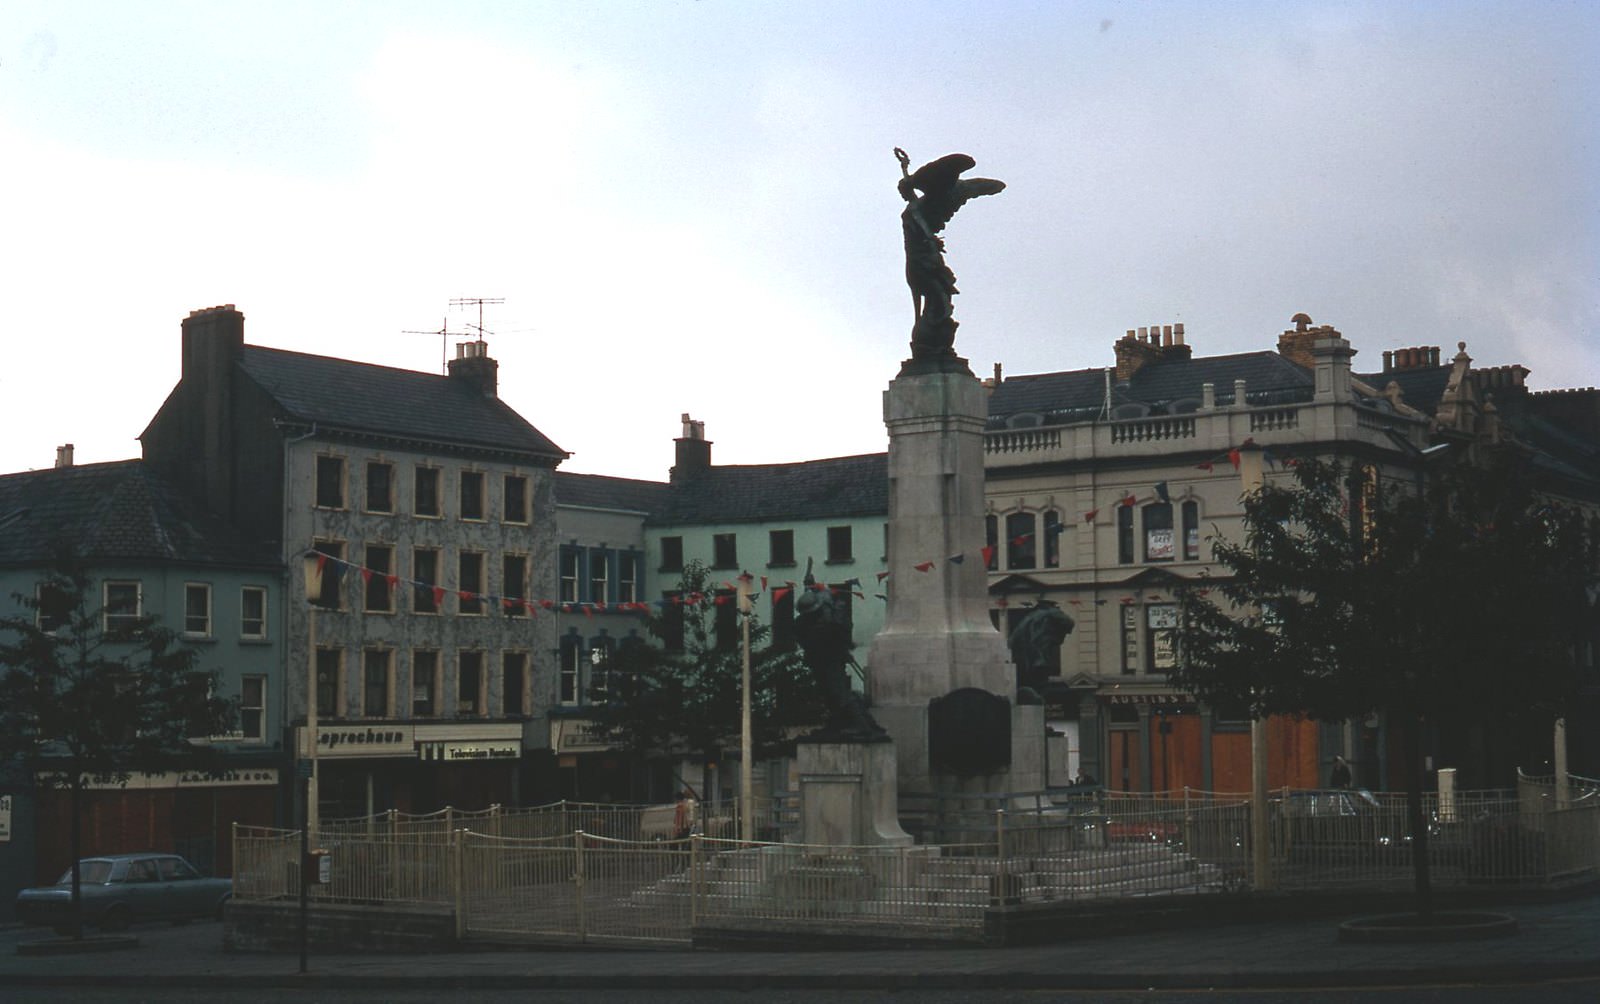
(1555, 940)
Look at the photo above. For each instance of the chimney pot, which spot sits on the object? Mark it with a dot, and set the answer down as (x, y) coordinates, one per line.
(1177, 333)
(1388, 360)
(64, 455)
(1144, 334)
(474, 365)
(1166, 336)
(1433, 355)
(997, 374)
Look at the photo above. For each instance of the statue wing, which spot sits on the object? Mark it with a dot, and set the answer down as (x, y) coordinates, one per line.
(940, 205)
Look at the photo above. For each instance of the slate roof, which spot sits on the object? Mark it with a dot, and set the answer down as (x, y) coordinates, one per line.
(837, 488)
(122, 511)
(1420, 387)
(1078, 395)
(596, 491)
(362, 397)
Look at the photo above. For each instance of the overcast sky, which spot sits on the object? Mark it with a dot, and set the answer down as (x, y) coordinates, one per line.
(691, 207)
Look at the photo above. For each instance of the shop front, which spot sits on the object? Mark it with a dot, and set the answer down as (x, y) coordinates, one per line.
(1158, 740)
(365, 769)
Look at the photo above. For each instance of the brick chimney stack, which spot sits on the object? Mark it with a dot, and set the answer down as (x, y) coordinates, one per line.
(1413, 358)
(1138, 348)
(693, 453)
(213, 339)
(64, 455)
(1295, 343)
(473, 365)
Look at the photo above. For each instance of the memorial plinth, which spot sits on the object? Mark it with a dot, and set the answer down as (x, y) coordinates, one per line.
(848, 794)
(937, 637)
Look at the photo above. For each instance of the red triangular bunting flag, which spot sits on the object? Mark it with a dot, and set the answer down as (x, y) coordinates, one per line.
(1233, 457)
(1089, 516)
(438, 596)
(366, 576)
(1129, 499)
(882, 576)
(988, 556)
(926, 566)
(1204, 465)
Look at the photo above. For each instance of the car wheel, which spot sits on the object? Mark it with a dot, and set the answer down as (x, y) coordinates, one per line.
(116, 918)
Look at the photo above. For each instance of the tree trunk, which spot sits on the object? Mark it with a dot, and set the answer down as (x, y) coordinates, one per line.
(1411, 730)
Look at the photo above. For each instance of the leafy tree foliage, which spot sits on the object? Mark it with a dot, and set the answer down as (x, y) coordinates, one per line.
(83, 697)
(1448, 600)
(681, 694)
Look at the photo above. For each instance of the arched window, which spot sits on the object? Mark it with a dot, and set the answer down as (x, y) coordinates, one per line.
(1053, 528)
(1021, 539)
(1125, 534)
(1158, 542)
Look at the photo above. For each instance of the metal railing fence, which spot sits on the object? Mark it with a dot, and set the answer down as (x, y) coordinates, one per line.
(506, 875)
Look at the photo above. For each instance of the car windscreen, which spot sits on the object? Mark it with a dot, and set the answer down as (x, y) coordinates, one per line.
(89, 873)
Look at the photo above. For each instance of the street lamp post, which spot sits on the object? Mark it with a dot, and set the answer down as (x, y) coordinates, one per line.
(312, 567)
(746, 736)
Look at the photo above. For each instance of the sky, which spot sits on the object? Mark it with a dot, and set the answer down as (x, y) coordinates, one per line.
(690, 207)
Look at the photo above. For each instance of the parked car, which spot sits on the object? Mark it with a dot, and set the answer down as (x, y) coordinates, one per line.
(1341, 823)
(119, 889)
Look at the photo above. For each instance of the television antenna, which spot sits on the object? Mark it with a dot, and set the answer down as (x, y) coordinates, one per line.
(477, 301)
(443, 334)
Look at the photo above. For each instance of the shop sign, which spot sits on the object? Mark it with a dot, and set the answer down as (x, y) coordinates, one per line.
(572, 734)
(479, 750)
(482, 751)
(246, 777)
(1180, 699)
(343, 740)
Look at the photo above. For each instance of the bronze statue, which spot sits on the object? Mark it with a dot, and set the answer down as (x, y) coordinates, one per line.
(1036, 648)
(825, 641)
(932, 283)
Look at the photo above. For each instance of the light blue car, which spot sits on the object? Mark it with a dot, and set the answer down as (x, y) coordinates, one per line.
(119, 889)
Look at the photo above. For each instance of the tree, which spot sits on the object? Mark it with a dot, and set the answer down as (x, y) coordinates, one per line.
(682, 693)
(1418, 600)
(91, 692)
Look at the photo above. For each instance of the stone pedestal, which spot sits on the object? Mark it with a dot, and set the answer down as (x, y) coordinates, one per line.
(937, 637)
(849, 795)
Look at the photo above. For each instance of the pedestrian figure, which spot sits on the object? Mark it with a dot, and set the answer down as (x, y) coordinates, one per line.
(1340, 778)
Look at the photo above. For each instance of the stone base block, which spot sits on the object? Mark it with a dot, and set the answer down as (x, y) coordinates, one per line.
(909, 726)
(849, 794)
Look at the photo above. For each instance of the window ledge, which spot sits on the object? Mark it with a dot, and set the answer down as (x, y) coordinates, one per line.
(839, 561)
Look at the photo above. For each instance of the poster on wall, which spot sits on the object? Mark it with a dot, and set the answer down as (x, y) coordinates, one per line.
(1162, 619)
(1159, 544)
